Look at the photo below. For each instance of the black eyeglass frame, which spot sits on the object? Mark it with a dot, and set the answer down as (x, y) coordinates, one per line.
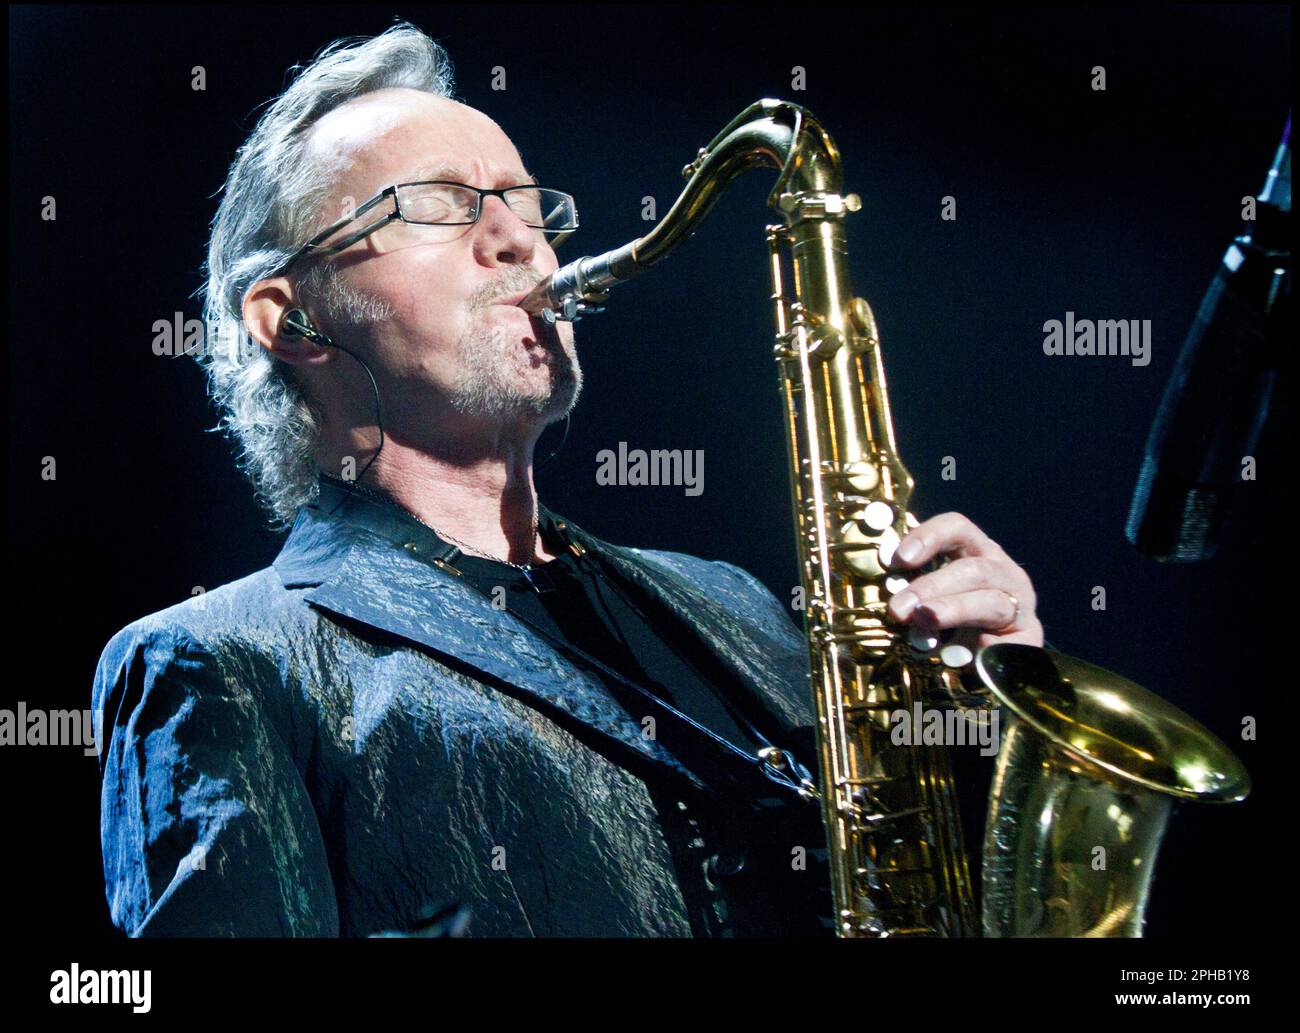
(313, 246)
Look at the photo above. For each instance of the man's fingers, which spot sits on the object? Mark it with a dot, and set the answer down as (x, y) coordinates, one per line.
(946, 534)
(968, 574)
(988, 608)
(1031, 636)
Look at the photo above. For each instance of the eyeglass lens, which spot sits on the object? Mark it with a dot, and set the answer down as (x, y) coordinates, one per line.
(449, 204)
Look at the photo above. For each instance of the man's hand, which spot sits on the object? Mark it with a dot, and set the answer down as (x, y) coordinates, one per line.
(979, 588)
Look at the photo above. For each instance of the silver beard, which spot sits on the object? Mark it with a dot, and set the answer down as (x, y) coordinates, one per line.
(343, 303)
(484, 388)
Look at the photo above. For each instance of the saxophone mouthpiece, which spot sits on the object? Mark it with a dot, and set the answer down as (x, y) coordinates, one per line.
(565, 294)
(538, 298)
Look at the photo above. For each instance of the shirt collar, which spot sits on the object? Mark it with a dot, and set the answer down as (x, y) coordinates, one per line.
(326, 529)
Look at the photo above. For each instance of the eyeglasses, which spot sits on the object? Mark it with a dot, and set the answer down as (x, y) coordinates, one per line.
(444, 203)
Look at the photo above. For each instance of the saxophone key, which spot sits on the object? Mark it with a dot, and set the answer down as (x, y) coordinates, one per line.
(923, 641)
(878, 516)
(954, 654)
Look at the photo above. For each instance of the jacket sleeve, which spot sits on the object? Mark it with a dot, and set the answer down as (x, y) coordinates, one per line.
(205, 825)
(777, 618)
(785, 654)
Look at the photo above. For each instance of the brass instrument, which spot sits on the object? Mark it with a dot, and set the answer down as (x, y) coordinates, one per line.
(1089, 763)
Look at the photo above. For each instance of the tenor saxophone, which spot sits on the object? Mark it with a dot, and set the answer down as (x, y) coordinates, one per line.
(1088, 764)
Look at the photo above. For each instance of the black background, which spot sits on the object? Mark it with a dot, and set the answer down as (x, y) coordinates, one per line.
(1114, 205)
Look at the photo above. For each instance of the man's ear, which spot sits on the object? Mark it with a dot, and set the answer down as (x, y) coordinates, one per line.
(265, 305)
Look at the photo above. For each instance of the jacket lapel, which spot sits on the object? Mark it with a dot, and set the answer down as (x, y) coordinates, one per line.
(374, 564)
(356, 573)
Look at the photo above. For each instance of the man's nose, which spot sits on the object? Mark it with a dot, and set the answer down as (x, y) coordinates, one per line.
(503, 236)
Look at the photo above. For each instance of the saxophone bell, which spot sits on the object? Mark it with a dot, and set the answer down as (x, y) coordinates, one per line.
(1088, 770)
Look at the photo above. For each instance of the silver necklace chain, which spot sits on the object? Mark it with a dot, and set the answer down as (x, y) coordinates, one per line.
(479, 552)
(472, 550)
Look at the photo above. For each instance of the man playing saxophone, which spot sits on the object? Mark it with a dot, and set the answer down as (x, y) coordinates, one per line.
(442, 691)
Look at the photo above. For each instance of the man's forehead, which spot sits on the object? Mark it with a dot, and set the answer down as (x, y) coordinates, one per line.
(402, 135)
(460, 172)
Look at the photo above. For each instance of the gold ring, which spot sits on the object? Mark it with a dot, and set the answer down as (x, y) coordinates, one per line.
(1015, 603)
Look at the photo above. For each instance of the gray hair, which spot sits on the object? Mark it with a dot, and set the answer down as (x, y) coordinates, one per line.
(269, 206)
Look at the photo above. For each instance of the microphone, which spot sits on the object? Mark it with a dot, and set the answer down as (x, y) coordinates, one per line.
(1216, 402)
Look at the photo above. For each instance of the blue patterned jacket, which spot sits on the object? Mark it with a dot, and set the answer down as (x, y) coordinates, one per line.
(352, 737)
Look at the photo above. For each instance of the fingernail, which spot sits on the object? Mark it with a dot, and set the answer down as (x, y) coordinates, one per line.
(903, 604)
(909, 550)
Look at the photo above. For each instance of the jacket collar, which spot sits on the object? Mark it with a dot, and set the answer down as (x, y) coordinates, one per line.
(373, 562)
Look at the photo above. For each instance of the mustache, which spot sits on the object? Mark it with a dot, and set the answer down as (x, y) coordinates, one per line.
(504, 287)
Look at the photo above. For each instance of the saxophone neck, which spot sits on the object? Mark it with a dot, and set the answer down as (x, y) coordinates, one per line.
(769, 133)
